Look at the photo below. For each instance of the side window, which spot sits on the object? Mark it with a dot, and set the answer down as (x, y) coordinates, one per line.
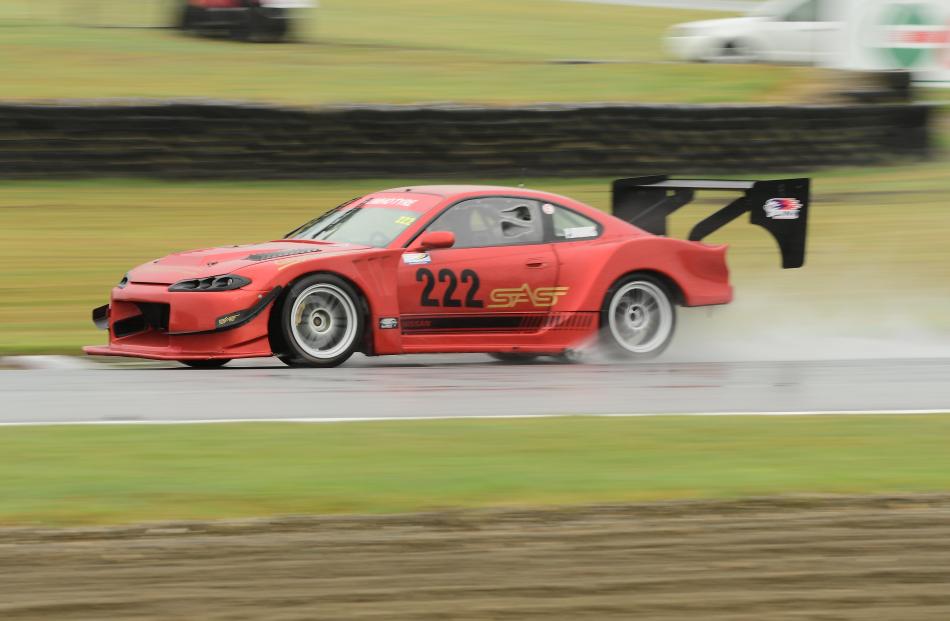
(570, 225)
(805, 12)
(492, 221)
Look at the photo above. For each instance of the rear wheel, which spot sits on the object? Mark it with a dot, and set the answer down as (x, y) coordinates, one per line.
(321, 321)
(215, 363)
(638, 318)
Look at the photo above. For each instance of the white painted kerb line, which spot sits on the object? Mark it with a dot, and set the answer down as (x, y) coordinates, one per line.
(735, 6)
(383, 419)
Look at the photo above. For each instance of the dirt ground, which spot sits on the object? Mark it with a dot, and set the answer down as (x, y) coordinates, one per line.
(801, 558)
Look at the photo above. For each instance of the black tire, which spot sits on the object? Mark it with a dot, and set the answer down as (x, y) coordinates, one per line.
(278, 29)
(262, 26)
(322, 320)
(513, 358)
(292, 362)
(638, 318)
(215, 363)
(243, 29)
(189, 18)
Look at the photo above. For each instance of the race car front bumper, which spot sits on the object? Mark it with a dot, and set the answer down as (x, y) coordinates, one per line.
(148, 321)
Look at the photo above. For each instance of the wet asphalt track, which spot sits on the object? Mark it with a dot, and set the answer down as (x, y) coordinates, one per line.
(464, 386)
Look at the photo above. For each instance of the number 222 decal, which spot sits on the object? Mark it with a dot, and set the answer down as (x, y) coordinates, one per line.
(425, 275)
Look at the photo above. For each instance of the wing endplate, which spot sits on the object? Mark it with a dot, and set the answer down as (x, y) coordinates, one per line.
(780, 207)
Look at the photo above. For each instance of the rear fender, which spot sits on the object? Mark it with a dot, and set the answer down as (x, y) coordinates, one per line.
(698, 271)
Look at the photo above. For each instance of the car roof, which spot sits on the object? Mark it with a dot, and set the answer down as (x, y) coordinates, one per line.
(450, 192)
(453, 190)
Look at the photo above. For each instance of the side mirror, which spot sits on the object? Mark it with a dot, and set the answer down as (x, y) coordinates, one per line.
(432, 240)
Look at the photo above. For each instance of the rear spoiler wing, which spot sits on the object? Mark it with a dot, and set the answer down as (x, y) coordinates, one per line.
(780, 207)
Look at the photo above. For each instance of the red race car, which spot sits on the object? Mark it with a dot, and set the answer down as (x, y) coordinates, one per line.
(511, 272)
(256, 20)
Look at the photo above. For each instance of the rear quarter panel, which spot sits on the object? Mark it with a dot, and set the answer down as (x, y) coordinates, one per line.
(590, 268)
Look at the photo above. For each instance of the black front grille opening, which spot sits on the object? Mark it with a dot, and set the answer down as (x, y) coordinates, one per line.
(154, 316)
(129, 326)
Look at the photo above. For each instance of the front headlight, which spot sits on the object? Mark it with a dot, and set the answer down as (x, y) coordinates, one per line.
(228, 282)
(123, 282)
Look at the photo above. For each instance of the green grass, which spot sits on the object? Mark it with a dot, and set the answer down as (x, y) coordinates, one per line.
(83, 475)
(878, 258)
(494, 51)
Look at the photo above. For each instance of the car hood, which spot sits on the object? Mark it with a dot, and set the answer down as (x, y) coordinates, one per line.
(710, 25)
(229, 259)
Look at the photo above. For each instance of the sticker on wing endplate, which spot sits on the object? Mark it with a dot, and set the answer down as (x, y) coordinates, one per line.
(783, 208)
(416, 258)
(580, 232)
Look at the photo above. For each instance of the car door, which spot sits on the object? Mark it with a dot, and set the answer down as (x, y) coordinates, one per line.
(494, 286)
(792, 35)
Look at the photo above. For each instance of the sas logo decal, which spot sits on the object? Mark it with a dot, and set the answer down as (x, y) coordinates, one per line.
(783, 208)
(542, 297)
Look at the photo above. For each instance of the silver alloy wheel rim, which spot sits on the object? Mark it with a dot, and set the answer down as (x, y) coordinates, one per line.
(323, 321)
(640, 317)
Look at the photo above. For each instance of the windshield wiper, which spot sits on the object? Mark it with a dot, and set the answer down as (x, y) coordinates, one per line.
(336, 224)
(320, 218)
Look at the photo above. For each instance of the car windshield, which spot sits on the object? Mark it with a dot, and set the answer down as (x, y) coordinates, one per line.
(359, 224)
(770, 9)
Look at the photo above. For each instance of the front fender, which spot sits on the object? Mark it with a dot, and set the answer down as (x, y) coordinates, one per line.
(372, 272)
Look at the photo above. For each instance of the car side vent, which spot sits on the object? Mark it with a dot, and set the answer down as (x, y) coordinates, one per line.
(265, 256)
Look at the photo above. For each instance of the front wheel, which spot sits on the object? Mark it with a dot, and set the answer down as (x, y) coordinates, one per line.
(638, 318)
(322, 322)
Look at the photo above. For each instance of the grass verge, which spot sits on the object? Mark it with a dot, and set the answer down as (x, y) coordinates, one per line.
(491, 51)
(108, 475)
